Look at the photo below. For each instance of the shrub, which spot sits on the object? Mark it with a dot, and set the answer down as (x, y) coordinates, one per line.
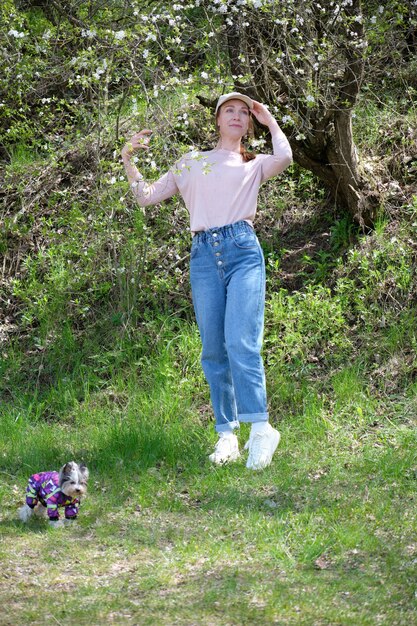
(305, 328)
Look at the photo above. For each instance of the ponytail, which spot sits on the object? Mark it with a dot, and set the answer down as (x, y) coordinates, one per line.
(246, 154)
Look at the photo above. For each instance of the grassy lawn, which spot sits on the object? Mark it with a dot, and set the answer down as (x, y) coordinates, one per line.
(325, 536)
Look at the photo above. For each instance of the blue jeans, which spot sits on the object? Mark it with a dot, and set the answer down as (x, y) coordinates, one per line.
(228, 287)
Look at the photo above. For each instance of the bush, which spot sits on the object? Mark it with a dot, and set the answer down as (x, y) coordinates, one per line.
(306, 328)
(376, 283)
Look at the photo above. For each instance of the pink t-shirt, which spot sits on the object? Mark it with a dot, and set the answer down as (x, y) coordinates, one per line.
(217, 186)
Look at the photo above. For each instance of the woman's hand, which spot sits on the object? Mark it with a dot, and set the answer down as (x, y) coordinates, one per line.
(139, 141)
(262, 114)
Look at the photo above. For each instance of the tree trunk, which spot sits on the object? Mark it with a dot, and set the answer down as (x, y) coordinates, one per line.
(337, 165)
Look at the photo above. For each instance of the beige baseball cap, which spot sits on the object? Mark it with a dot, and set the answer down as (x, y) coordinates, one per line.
(234, 96)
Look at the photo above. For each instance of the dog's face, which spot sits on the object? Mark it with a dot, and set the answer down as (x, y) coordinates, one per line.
(73, 480)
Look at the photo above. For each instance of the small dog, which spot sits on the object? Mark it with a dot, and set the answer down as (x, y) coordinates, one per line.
(47, 491)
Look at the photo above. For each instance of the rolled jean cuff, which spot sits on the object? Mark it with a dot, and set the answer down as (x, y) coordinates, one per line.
(227, 427)
(253, 417)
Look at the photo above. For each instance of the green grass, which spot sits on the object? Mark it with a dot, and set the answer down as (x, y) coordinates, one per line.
(325, 536)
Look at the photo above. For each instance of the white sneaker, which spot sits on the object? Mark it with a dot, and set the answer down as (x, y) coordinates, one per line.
(262, 446)
(226, 449)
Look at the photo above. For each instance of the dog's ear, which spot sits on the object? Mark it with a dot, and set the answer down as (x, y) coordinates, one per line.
(64, 473)
(84, 471)
(67, 468)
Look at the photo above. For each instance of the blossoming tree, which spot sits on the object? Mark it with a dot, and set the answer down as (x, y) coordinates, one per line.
(67, 63)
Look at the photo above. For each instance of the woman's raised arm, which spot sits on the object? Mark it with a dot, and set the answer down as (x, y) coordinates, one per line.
(146, 193)
(282, 157)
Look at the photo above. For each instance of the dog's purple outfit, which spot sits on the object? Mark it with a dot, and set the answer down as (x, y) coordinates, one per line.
(44, 487)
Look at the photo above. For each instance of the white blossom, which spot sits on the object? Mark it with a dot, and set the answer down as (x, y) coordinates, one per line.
(119, 35)
(145, 53)
(88, 33)
(16, 34)
(258, 143)
(204, 75)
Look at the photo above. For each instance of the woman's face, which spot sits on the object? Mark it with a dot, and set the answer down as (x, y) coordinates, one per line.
(233, 119)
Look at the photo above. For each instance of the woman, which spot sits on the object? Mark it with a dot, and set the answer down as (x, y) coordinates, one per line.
(227, 268)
